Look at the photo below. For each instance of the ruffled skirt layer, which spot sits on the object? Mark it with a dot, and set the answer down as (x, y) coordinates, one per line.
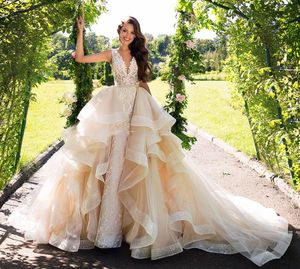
(167, 205)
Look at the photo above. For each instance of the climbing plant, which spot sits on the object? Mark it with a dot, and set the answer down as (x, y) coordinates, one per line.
(25, 28)
(82, 74)
(263, 46)
(184, 61)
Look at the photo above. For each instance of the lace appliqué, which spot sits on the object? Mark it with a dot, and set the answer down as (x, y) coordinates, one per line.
(126, 77)
(121, 126)
(109, 234)
(127, 95)
(122, 75)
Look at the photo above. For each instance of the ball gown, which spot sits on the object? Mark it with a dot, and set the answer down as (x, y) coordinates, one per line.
(121, 175)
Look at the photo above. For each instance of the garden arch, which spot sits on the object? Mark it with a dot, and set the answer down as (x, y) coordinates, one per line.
(275, 79)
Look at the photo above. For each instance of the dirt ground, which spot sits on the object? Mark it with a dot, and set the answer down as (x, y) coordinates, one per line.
(216, 165)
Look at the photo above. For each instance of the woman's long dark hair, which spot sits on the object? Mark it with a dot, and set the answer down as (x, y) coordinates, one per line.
(138, 49)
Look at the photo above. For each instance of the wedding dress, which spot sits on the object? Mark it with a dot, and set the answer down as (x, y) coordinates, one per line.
(122, 175)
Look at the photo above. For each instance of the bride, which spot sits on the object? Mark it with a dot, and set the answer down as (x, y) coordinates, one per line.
(122, 175)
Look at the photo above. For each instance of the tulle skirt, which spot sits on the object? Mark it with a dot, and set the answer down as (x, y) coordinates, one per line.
(167, 204)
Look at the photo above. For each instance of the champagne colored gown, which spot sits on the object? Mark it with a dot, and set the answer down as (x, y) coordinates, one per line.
(122, 175)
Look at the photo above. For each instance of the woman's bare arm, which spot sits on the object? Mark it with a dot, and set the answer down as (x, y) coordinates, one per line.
(145, 86)
(104, 56)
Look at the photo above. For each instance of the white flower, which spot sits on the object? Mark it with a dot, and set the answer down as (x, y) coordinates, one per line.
(190, 44)
(182, 77)
(180, 98)
(67, 111)
(69, 98)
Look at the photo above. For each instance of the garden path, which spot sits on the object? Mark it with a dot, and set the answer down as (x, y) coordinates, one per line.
(217, 165)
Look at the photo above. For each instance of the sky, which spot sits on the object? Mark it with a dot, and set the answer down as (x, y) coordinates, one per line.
(155, 17)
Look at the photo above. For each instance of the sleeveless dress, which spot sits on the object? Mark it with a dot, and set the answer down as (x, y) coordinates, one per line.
(122, 175)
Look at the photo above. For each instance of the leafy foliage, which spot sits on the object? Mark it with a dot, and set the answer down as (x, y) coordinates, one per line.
(82, 74)
(214, 53)
(264, 53)
(60, 58)
(262, 40)
(25, 30)
(184, 61)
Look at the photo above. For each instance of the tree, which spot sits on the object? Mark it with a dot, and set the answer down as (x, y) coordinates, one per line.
(25, 30)
(263, 47)
(115, 42)
(58, 43)
(149, 37)
(96, 44)
(163, 44)
(159, 48)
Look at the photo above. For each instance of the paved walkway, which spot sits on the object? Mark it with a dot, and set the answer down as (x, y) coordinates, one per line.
(216, 164)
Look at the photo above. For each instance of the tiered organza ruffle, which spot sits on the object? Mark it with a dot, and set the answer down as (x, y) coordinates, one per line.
(168, 204)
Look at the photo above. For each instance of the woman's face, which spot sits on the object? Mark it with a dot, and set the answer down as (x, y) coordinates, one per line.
(127, 34)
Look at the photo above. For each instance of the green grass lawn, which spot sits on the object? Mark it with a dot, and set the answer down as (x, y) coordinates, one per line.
(44, 124)
(208, 108)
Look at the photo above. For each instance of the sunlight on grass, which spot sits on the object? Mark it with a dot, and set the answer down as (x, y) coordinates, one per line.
(208, 108)
(159, 90)
(44, 124)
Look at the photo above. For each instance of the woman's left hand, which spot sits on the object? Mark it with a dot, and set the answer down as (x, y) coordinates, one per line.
(80, 24)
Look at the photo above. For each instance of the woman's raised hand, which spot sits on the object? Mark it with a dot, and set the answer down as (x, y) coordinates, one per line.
(80, 24)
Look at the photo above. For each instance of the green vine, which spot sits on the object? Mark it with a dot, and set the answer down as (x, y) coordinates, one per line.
(184, 61)
(264, 51)
(25, 30)
(82, 74)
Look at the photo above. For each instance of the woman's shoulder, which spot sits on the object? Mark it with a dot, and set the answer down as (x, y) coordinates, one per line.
(113, 52)
(108, 54)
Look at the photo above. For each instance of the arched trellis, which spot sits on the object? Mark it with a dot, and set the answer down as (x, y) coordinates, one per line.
(25, 27)
(191, 14)
(16, 85)
(264, 51)
(270, 34)
(184, 62)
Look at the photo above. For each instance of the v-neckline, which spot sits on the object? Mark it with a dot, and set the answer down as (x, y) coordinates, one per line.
(124, 63)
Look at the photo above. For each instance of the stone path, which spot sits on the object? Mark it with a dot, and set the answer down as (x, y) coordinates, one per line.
(217, 165)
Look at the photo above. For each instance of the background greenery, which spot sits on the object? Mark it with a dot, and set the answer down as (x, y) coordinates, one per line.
(26, 28)
(224, 121)
(263, 48)
(258, 39)
(213, 51)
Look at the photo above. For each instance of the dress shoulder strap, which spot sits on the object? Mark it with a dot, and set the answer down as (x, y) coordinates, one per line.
(113, 55)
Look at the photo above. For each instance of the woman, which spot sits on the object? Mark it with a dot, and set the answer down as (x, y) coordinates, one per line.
(122, 175)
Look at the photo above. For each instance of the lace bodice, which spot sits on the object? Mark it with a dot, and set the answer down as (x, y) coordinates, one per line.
(122, 74)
